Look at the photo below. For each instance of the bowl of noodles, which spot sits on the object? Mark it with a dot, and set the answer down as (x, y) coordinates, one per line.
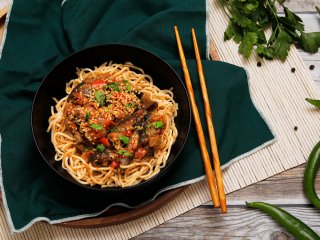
(111, 117)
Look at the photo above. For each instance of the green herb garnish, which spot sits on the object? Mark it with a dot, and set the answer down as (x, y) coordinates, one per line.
(113, 86)
(96, 126)
(86, 118)
(124, 153)
(157, 124)
(100, 147)
(248, 20)
(128, 86)
(124, 139)
(100, 97)
(87, 149)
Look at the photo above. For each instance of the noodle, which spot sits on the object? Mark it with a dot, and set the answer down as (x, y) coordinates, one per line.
(114, 128)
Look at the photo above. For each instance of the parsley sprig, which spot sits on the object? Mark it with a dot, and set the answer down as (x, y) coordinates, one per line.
(249, 19)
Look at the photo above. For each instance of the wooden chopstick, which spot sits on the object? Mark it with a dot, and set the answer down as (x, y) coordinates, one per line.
(212, 137)
(196, 117)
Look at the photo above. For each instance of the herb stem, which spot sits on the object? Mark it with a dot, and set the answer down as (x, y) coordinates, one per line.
(273, 13)
(275, 17)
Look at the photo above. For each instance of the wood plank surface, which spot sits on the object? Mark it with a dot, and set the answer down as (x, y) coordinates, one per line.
(301, 6)
(239, 223)
(204, 222)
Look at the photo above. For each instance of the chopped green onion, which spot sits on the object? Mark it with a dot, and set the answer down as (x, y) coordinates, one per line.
(128, 86)
(124, 153)
(124, 139)
(100, 97)
(100, 147)
(113, 86)
(87, 116)
(158, 124)
(96, 126)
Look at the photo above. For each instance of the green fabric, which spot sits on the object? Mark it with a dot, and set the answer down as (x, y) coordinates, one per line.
(38, 40)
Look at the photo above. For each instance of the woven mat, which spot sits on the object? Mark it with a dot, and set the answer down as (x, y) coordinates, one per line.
(277, 92)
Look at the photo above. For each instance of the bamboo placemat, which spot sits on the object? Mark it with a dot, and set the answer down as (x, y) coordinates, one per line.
(279, 95)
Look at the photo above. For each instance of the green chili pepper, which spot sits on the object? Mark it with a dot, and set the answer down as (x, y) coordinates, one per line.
(314, 102)
(310, 173)
(295, 226)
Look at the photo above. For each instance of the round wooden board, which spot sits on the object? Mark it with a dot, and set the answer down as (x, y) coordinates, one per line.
(118, 215)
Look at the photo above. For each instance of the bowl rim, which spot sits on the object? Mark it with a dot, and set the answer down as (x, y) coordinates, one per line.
(112, 189)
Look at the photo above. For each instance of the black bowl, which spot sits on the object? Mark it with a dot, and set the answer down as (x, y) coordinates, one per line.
(54, 86)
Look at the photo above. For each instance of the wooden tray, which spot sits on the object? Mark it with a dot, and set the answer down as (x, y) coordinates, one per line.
(117, 215)
(114, 215)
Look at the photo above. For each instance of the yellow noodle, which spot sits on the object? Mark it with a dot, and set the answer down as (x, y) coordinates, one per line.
(126, 175)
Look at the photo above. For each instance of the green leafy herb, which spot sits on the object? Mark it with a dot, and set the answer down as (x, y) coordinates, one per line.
(124, 153)
(100, 147)
(248, 20)
(282, 45)
(87, 149)
(100, 97)
(113, 86)
(124, 139)
(310, 41)
(314, 102)
(157, 124)
(86, 118)
(128, 86)
(96, 126)
(248, 41)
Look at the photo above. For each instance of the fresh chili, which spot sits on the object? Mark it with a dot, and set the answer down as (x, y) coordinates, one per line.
(114, 164)
(295, 226)
(105, 141)
(98, 82)
(310, 173)
(140, 153)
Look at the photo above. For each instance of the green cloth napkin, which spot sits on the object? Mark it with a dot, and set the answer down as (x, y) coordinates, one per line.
(42, 32)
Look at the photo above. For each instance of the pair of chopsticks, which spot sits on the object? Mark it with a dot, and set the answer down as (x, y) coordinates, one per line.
(216, 191)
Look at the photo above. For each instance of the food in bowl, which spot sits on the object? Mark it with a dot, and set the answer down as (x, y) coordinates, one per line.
(114, 127)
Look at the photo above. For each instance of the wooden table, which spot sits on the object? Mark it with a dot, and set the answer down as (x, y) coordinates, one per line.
(284, 190)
